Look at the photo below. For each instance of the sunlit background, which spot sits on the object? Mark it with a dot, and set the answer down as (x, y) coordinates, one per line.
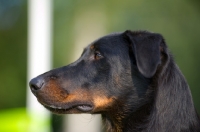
(76, 23)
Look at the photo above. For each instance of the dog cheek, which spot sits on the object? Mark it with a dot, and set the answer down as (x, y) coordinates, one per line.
(102, 103)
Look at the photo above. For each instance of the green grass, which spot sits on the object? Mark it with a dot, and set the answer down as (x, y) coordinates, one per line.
(18, 120)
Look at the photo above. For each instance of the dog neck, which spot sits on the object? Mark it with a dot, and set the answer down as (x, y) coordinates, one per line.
(127, 122)
(173, 109)
(162, 113)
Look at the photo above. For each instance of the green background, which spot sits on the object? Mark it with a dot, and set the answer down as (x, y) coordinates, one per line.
(178, 21)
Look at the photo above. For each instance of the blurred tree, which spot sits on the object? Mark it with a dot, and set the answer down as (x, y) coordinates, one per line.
(13, 46)
(178, 21)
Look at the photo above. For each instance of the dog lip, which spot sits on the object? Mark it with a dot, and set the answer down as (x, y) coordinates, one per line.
(81, 107)
(55, 107)
(85, 108)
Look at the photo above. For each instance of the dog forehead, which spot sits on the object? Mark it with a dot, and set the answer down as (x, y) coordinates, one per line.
(111, 39)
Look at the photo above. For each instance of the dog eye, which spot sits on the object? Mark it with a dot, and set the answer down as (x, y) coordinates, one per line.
(97, 55)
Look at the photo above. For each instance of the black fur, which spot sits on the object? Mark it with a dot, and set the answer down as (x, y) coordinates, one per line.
(130, 78)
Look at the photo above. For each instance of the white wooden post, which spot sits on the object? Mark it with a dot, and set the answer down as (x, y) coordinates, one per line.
(39, 57)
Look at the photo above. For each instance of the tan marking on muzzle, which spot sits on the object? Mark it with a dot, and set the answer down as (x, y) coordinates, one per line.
(79, 95)
(54, 92)
(102, 102)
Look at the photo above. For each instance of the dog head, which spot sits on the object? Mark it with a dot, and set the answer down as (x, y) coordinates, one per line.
(112, 73)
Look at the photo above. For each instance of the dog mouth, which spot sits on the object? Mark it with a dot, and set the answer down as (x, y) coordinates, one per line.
(70, 109)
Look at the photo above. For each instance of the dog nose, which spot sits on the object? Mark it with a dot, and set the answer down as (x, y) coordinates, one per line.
(36, 84)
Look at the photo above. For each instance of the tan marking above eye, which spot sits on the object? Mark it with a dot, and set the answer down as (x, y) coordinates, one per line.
(92, 47)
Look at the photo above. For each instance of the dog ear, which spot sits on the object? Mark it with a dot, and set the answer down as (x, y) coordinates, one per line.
(146, 47)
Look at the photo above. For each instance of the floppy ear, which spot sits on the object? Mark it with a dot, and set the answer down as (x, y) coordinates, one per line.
(146, 47)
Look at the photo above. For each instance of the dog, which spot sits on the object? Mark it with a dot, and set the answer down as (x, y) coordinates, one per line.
(130, 78)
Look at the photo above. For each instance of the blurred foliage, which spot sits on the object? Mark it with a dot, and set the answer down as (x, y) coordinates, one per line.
(13, 53)
(178, 21)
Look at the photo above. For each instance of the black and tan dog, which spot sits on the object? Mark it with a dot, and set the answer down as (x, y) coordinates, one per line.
(129, 78)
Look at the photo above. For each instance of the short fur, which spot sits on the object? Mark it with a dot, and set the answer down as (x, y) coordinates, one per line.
(129, 78)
